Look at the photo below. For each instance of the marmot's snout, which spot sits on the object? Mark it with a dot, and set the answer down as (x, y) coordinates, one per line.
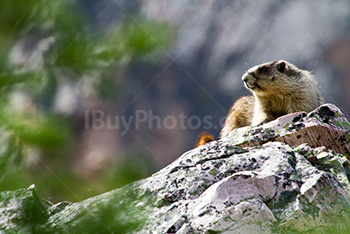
(250, 80)
(245, 77)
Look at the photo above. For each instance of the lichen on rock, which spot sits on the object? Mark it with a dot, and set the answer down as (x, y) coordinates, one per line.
(263, 179)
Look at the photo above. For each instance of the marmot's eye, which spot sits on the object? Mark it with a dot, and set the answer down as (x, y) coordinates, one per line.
(263, 69)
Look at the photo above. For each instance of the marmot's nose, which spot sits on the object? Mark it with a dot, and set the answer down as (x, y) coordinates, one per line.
(245, 77)
(249, 76)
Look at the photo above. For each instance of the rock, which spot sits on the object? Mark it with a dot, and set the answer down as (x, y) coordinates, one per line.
(326, 126)
(262, 179)
(21, 210)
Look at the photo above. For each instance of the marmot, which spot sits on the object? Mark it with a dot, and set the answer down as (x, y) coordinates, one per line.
(278, 88)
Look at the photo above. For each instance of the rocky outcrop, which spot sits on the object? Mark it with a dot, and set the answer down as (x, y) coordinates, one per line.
(289, 175)
(327, 126)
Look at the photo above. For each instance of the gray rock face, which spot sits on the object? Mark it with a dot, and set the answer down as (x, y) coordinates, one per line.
(226, 186)
(326, 126)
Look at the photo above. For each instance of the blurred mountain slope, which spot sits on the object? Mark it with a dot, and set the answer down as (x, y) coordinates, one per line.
(216, 42)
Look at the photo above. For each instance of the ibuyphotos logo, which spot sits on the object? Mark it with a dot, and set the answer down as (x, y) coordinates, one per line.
(98, 119)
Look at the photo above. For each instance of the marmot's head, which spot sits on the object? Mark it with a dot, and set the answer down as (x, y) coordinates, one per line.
(273, 77)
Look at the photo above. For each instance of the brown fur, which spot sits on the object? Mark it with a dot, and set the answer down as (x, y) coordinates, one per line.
(240, 114)
(204, 138)
(278, 88)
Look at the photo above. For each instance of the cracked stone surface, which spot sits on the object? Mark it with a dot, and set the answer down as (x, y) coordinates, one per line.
(262, 179)
(326, 126)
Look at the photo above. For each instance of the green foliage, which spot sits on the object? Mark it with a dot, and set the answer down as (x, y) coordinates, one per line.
(41, 131)
(36, 145)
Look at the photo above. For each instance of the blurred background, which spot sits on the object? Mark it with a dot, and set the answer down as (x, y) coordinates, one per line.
(62, 60)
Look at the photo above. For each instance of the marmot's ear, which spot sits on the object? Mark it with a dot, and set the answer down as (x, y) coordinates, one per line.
(281, 66)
